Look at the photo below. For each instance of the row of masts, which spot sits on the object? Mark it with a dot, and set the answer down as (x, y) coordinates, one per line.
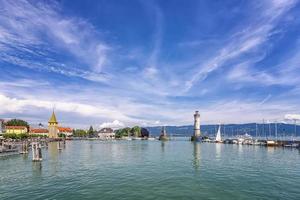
(259, 134)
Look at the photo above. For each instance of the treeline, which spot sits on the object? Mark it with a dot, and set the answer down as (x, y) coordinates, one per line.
(83, 133)
(135, 131)
(125, 132)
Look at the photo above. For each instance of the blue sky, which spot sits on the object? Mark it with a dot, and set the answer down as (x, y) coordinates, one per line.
(121, 63)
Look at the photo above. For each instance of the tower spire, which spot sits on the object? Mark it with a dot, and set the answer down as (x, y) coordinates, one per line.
(53, 118)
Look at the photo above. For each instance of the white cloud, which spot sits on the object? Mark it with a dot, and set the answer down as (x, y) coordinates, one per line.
(138, 96)
(15, 105)
(157, 122)
(23, 83)
(23, 30)
(114, 124)
(292, 116)
(150, 72)
(245, 41)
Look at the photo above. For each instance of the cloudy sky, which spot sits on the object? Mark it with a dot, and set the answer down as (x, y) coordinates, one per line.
(121, 63)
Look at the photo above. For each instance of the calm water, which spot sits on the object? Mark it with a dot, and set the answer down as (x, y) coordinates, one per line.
(152, 170)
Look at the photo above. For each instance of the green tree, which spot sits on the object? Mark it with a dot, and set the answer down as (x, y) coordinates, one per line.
(136, 131)
(91, 131)
(124, 132)
(80, 133)
(62, 135)
(118, 133)
(20, 136)
(17, 122)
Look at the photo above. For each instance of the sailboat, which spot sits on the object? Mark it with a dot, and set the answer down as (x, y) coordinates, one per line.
(271, 142)
(218, 137)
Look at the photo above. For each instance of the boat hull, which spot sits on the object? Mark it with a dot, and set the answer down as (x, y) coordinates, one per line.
(196, 138)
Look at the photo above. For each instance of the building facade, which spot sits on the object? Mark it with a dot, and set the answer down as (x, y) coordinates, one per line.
(66, 131)
(39, 131)
(106, 134)
(16, 129)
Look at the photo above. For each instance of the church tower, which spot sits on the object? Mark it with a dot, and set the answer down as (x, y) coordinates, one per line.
(52, 126)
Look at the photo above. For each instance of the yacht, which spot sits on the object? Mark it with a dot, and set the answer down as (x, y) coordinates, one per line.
(206, 140)
(271, 143)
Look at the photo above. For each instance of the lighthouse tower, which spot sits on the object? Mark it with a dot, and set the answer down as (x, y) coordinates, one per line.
(197, 133)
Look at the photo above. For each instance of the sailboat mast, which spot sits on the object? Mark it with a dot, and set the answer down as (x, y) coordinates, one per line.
(276, 130)
(264, 134)
(256, 130)
(295, 128)
(270, 129)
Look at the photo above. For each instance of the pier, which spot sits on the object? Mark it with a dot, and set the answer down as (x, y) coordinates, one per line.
(36, 152)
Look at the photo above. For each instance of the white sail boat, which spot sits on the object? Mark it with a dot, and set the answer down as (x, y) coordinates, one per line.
(218, 137)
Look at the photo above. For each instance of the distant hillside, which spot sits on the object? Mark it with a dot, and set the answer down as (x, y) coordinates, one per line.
(230, 129)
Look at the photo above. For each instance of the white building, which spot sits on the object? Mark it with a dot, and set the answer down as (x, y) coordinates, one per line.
(106, 134)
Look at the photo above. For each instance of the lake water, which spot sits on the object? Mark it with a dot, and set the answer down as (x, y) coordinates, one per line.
(152, 170)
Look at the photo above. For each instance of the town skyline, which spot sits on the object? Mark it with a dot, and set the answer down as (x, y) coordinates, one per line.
(85, 61)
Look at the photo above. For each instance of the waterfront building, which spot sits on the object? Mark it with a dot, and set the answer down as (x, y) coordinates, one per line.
(53, 126)
(197, 134)
(16, 129)
(106, 134)
(66, 131)
(39, 131)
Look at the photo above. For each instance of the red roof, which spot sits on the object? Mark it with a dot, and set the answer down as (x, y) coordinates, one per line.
(15, 127)
(64, 129)
(39, 130)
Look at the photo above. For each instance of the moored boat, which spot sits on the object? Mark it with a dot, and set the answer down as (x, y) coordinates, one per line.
(271, 143)
(218, 136)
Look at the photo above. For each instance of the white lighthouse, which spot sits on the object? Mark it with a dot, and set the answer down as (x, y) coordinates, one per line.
(197, 133)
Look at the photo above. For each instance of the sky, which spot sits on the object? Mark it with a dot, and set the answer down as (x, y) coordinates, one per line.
(121, 63)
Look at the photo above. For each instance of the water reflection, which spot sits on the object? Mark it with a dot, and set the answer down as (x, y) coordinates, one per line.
(270, 149)
(197, 155)
(25, 156)
(53, 151)
(218, 150)
(162, 146)
(240, 149)
(53, 155)
(36, 169)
